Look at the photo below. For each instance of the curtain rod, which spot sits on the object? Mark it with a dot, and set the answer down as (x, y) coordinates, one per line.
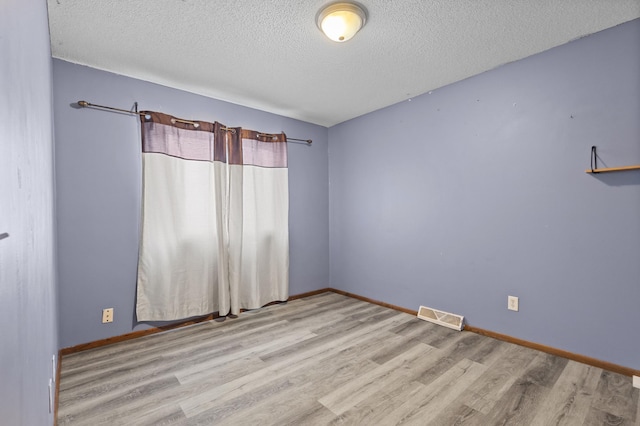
(85, 104)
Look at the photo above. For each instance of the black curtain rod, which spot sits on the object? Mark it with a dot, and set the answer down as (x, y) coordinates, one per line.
(85, 104)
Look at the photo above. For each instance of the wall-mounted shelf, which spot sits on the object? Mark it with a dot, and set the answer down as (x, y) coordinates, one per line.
(613, 169)
(594, 165)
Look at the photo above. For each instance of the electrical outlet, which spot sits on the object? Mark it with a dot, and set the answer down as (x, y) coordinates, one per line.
(512, 303)
(107, 315)
(636, 382)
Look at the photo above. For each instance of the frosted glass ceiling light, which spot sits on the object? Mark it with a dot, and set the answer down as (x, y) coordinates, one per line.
(341, 21)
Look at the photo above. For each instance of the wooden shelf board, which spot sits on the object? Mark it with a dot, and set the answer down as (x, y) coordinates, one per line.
(614, 169)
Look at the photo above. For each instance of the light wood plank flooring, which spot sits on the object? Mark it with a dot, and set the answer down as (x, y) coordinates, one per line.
(333, 360)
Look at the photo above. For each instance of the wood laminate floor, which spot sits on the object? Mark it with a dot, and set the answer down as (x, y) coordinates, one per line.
(334, 360)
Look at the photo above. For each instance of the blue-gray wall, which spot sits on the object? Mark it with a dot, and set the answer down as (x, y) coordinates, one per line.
(98, 170)
(27, 258)
(476, 191)
(454, 199)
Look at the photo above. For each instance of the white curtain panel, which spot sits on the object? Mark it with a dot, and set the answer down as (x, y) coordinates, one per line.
(259, 223)
(214, 220)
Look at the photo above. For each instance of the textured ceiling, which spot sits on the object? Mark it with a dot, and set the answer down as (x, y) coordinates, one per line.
(269, 54)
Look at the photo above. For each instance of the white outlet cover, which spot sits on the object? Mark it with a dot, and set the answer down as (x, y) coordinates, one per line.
(512, 303)
(107, 315)
(636, 382)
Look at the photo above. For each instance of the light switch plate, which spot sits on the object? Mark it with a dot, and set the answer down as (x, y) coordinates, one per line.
(636, 382)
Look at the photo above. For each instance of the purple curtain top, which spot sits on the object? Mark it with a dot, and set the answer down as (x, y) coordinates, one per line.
(164, 134)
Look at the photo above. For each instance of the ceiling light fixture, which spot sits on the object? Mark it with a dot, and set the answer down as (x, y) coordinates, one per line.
(341, 21)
